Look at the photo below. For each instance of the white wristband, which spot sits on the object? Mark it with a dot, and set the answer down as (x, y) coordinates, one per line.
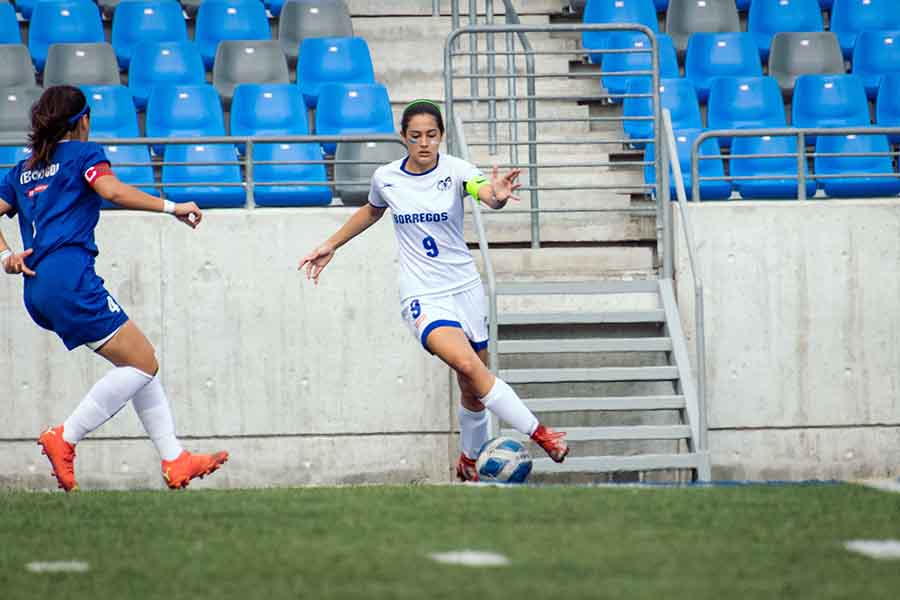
(169, 207)
(4, 255)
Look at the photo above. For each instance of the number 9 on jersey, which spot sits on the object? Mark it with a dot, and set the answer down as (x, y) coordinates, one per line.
(430, 246)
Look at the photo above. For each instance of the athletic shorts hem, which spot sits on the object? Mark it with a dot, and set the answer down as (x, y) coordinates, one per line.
(74, 342)
(478, 346)
(434, 325)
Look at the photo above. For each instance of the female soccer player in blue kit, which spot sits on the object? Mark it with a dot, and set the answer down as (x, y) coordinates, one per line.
(57, 193)
(443, 301)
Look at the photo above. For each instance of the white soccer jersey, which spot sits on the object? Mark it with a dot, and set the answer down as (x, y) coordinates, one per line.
(428, 210)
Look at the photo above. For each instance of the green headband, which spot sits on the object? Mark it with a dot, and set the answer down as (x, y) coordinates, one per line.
(422, 101)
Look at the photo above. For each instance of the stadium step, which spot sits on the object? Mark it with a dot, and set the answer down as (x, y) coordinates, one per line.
(632, 432)
(547, 346)
(641, 316)
(617, 403)
(665, 373)
(611, 464)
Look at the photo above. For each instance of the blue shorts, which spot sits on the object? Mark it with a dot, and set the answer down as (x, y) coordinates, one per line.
(67, 297)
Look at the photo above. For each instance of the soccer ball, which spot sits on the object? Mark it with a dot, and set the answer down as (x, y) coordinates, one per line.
(503, 460)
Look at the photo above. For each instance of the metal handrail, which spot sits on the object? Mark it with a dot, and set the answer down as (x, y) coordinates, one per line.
(697, 281)
(461, 149)
(801, 154)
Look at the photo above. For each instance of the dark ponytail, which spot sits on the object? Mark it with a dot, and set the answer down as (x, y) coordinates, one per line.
(54, 115)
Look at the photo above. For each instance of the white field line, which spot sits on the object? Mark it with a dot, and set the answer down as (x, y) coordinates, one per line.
(885, 485)
(58, 566)
(470, 558)
(880, 549)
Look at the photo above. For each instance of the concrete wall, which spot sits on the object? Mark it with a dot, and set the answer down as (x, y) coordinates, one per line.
(803, 336)
(303, 384)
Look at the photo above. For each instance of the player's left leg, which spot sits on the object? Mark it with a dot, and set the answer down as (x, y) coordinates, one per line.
(473, 427)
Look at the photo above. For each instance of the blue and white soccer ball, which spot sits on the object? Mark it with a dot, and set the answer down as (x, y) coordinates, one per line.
(503, 460)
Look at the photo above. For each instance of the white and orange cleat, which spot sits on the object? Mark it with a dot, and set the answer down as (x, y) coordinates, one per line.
(61, 455)
(552, 442)
(179, 472)
(465, 468)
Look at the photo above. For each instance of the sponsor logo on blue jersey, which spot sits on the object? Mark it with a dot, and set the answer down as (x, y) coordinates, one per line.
(28, 176)
(420, 218)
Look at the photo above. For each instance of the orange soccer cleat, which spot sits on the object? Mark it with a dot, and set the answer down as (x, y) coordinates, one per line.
(61, 455)
(552, 442)
(179, 472)
(465, 468)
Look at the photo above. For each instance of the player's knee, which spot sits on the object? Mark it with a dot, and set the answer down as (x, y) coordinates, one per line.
(470, 402)
(469, 367)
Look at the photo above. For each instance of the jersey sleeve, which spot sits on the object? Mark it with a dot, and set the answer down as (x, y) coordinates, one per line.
(375, 197)
(470, 178)
(95, 163)
(8, 192)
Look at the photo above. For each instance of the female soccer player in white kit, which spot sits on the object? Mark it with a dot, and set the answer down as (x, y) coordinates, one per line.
(57, 193)
(443, 301)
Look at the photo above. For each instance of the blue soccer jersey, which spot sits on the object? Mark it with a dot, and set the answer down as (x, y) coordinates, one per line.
(56, 204)
(58, 210)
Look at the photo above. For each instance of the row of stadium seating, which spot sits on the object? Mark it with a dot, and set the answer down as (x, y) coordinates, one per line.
(194, 110)
(712, 55)
(683, 18)
(323, 60)
(777, 176)
(140, 21)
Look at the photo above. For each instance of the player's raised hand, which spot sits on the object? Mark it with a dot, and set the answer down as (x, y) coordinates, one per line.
(316, 260)
(507, 184)
(15, 263)
(188, 213)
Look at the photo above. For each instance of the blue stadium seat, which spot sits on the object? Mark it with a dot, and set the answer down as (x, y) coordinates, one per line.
(289, 195)
(887, 107)
(206, 196)
(268, 109)
(850, 17)
(139, 176)
(327, 60)
(618, 11)
(825, 4)
(145, 21)
(743, 4)
(711, 55)
(829, 101)
(677, 95)
(744, 103)
(9, 25)
(163, 63)
(783, 171)
(112, 112)
(709, 190)
(219, 20)
(661, 5)
(876, 54)
(275, 6)
(768, 17)
(184, 111)
(62, 22)
(850, 187)
(637, 61)
(353, 108)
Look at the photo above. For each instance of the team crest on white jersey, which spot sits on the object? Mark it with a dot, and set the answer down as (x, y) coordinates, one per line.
(444, 184)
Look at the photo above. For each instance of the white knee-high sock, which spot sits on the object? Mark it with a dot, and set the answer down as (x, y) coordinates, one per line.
(105, 399)
(153, 410)
(506, 404)
(473, 431)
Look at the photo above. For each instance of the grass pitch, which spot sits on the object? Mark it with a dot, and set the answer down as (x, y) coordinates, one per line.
(373, 542)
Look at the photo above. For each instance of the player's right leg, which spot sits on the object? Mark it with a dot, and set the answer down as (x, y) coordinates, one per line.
(473, 428)
(452, 346)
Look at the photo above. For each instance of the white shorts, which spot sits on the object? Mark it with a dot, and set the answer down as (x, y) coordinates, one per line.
(466, 309)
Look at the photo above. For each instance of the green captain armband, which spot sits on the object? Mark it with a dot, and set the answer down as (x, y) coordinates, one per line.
(475, 184)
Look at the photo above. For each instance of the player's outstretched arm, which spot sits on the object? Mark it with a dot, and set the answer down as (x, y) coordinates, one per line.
(12, 262)
(501, 190)
(111, 188)
(362, 219)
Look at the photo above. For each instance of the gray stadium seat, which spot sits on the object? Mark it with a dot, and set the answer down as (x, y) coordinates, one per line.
(81, 64)
(252, 61)
(15, 111)
(685, 17)
(311, 18)
(377, 152)
(794, 54)
(16, 68)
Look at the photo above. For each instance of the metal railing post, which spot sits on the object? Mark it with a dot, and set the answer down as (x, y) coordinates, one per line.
(801, 166)
(492, 82)
(248, 172)
(473, 49)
